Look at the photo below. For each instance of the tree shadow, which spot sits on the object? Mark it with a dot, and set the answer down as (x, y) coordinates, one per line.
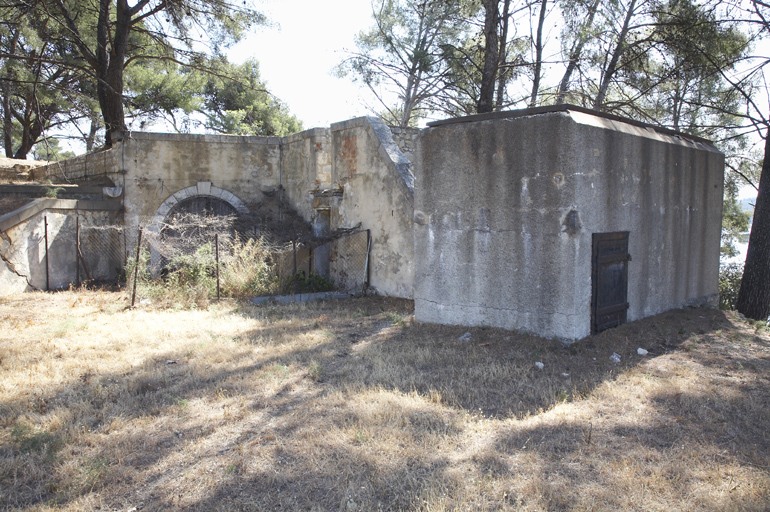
(377, 427)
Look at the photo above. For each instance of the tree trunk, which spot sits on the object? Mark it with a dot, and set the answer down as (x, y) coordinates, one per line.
(538, 55)
(504, 72)
(7, 120)
(620, 47)
(91, 137)
(491, 58)
(7, 89)
(110, 60)
(577, 50)
(754, 295)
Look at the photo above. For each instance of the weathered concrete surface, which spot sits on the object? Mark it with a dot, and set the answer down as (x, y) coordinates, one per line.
(305, 169)
(350, 175)
(378, 192)
(102, 167)
(159, 165)
(23, 249)
(505, 210)
(353, 174)
(301, 297)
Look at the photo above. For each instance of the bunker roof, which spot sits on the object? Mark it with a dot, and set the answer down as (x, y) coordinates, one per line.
(510, 114)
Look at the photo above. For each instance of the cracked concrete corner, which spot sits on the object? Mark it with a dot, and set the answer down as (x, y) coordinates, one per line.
(11, 267)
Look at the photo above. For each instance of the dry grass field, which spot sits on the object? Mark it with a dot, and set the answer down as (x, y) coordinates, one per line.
(351, 406)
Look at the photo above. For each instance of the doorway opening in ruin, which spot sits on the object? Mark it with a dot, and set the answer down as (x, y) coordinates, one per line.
(193, 223)
(609, 280)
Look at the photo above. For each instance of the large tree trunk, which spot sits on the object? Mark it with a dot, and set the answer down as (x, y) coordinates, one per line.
(538, 55)
(491, 58)
(7, 113)
(7, 120)
(110, 60)
(754, 295)
(91, 137)
(504, 72)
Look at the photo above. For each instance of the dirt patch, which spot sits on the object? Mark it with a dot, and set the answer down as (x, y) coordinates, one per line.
(350, 405)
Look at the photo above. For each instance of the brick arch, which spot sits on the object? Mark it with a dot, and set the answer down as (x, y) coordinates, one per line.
(203, 188)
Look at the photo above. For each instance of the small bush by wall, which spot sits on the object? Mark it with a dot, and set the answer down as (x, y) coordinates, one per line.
(729, 284)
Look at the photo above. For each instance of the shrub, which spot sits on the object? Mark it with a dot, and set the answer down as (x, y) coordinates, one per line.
(190, 279)
(246, 270)
(729, 284)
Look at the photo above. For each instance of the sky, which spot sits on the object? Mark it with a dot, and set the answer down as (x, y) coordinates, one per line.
(298, 51)
(297, 56)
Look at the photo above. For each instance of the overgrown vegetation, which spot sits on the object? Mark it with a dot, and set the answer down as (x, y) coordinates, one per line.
(247, 269)
(729, 284)
(350, 405)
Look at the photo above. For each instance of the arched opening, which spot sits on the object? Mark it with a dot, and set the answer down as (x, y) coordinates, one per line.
(194, 221)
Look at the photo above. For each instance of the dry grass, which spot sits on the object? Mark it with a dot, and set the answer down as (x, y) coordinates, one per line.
(350, 406)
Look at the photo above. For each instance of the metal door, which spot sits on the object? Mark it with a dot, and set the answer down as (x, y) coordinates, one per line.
(609, 280)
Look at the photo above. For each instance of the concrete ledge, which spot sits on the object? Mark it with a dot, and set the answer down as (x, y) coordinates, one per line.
(570, 110)
(352, 123)
(306, 134)
(192, 137)
(27, 211)
(301, 297)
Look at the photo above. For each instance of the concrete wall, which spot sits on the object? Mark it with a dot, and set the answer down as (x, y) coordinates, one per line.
(306, 168)
(350, 175)
(159, 165)
(12, 169)
(505, 210)
(377, 192)
(23, 248)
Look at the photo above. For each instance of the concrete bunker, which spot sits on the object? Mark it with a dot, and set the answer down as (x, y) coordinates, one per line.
(561, 221)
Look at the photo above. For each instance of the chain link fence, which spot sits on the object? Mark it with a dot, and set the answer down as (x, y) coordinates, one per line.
(74, 249)
(194, 259)
(101, 253)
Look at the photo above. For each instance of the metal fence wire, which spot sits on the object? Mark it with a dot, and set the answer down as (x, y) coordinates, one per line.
(198, 258)
(100, 253)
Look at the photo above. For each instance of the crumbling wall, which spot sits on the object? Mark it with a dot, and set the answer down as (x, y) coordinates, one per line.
(352, 175)
(377, 193)
(159, 165)
(23, 264)
(306, 168)
(405, 139)
(12, 169)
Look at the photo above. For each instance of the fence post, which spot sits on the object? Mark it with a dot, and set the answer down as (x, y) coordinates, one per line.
(294, 275)
(47, 276)
(366, 262)
(136, 265)
(216, 252)
(77, 250)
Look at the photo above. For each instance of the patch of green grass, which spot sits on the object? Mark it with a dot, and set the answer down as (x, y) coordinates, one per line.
(315, 371)
(93, 472)
(69, 324)
(395, 318)
(28, 441)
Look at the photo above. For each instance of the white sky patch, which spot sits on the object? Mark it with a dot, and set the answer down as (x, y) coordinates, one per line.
(297, 56)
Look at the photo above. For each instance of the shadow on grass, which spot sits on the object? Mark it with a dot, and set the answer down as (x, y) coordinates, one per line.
(387, 421)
